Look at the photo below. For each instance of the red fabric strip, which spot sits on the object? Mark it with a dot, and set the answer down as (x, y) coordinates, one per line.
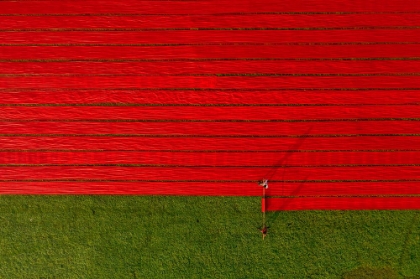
(263, 206)
(218, 67)
(200, 7)
(212, 173)
(210, 189)
(132, 143)
(210, 113)
(272, 160)
(385, 97)
(344, 203)
(131, 188)
(171, 52)
(209, 21)
(230, 129)
(211, 82)
(343, 189)
(211, 36)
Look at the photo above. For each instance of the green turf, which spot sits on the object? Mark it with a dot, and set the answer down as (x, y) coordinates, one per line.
(199, 237)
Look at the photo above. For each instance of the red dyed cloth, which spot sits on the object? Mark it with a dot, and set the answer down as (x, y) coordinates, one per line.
(206, 97)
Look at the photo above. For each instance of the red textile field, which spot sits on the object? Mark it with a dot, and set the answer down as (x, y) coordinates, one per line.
(203, 97)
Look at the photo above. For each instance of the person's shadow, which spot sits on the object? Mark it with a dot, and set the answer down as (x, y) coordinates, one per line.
(280, 163)
(273, 216)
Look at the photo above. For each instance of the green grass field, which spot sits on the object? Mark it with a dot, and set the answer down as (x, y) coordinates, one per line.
(199, 237)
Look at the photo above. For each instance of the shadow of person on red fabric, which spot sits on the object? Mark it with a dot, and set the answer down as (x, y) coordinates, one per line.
(280, 163)
(273, 216)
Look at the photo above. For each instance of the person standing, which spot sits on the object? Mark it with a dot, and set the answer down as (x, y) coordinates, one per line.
(263, 183)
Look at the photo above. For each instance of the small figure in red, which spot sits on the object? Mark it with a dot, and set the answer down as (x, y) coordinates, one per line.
(264, 232)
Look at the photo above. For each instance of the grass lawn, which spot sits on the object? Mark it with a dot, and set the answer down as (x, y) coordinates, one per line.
(199, 237)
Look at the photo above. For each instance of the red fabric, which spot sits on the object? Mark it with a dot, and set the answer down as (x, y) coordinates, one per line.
(268, 162)
(209, 97)
(200, 7)
(238, 83)
(285, 52)
(204, 20)
(163, 67)
(343, 203)
(263, 205)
